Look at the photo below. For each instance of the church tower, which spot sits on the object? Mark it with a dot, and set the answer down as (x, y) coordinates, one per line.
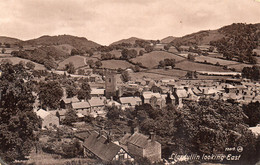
(110, 84)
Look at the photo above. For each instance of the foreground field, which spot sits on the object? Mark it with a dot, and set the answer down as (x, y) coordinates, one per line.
(151, 60)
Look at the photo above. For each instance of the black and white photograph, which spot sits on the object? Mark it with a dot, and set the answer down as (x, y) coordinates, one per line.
(129, 82)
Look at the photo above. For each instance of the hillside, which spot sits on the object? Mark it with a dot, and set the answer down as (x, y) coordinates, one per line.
(78, 61)
(128, 40)
(77, 42)
(152, 59)
(9, 40)
(168, 39)
(199, 38)
(115, 64)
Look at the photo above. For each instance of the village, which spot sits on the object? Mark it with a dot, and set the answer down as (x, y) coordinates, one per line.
(114, 144)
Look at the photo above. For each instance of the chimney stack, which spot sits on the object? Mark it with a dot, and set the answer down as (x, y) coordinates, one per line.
(152, 136)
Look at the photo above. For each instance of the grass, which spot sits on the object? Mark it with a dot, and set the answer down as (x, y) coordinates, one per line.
(152, 59)
(193, 66)
(16, 60)
(77, 60)
(115, 64)
(215, 60)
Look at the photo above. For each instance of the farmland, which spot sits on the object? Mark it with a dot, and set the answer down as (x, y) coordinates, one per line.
(152, 59)
(77, 60)
(16, 60)
(115, 64)
(193, 66)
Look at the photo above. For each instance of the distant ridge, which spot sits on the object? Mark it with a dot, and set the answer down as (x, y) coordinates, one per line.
(77, 42)
(168, 39)
(130, 40)
(10, 40)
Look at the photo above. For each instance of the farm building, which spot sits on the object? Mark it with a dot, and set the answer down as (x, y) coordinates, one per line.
(140, 145)
(101, 147)
(48, 119)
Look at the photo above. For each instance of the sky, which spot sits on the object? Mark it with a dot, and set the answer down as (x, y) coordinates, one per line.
(107, 21)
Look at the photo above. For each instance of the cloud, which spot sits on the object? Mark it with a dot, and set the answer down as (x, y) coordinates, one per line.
(107, 21)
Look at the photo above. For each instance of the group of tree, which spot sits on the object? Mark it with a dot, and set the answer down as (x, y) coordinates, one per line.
(252, 73)
(125, 76)
(18, 121)
(70, 68)
(204, 127)
(167, 62)
(239, 42)
(107, 56)
(191, 74)
(93, 64)
(128, 54)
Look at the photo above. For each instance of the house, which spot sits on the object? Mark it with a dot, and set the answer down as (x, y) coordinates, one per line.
(255, 130)
(59, 113)
(101, 147)
(155, 99)
(81, 106)
(130, 101)
(95, 92)
(66, 103)
(96, 103)
(48, 120)
(140, 145)
(179, 94)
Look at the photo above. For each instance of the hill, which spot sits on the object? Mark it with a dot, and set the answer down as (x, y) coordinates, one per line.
(168, 39)
(153, 58)
(77, 42)
(199, 38)
(9, 40)
(130, 40)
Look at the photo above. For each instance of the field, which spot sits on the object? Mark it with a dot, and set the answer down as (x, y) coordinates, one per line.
(16, 60)
(215, 60)
(152, 59)
(193, 66)
(115, 64)
(77, 60)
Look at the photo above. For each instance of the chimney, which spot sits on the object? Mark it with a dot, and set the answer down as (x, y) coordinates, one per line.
(152, 136)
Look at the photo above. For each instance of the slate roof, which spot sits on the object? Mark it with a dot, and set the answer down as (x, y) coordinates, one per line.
(130, 100)
(148, 95)
(103, 150)
(139, 140)
(96, 102)
(70, 100)
(181, 93)
(95, 91)
(42, 113)
(80, 105)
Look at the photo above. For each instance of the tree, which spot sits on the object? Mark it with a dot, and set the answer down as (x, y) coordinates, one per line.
(70, 68)
(127, 54)
(148, 48)
(113, 113)
(74, 52)
(191, 57)
(70, 117)
(18, 122)
(125, 76)
(3, 50)
(81, 72)
(84, 92)
(98, 64)
(50, 64)
(90, 63)
(30, 65)
(71, 91)
(252, 110)
(50, 93)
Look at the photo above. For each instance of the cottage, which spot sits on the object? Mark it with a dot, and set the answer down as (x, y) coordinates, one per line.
(48, 120)
(138, 144)
(95, 92)
(130, 101)
(101, 147)
(81, 106)
(97, 103)
(66, 103)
